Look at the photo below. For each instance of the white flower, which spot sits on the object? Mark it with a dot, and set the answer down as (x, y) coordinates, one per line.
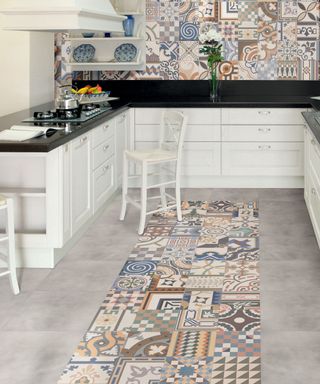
(213, 35)
(203, 37)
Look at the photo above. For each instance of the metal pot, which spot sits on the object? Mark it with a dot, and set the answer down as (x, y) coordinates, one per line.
(66, 100)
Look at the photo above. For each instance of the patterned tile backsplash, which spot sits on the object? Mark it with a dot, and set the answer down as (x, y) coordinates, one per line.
(263, 40)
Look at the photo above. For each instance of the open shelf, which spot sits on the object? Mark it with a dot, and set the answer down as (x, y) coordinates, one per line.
(105, 39)
(109, 65)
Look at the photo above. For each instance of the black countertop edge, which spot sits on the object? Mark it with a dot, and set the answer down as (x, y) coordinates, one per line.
(47, 144)
(312, 123)
(217, 104)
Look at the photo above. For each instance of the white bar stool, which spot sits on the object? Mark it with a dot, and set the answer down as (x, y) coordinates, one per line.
(6, 204)
(169, 152)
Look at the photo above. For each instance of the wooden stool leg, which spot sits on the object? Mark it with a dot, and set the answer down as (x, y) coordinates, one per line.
(143, 212)
(12, 248)
(124, 187)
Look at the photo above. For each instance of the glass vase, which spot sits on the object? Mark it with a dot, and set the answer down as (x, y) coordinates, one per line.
(214, 83)
(128, 25)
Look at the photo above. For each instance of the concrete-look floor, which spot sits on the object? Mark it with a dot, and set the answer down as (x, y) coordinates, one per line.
(40, 328)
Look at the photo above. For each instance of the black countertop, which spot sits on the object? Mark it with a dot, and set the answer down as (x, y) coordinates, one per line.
(312, 123)
(46, 144)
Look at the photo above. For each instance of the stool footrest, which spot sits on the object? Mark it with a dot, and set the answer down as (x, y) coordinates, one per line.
(5, 273)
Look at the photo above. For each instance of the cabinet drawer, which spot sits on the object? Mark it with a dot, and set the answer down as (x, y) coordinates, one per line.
(103, 183)
(262, 159)
(195, 115)
(260, 116)
(198, 159)
(262, 133)
(103, 132)
(193, 133)
(102, 152)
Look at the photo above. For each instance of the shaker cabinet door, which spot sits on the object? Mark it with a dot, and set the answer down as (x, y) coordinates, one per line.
(81, 209)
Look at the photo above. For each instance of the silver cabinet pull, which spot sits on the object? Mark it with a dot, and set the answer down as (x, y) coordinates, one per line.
(264, 113)
(264, 147)
(313, 191)
(83, 139)
(106, 147)
(105, 127)
(264, 130)
(313, 142)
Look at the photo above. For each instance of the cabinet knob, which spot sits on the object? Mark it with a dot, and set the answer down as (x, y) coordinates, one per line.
(106, 147)
(264, 130)
(264, 113)
(83, 139)
(313, 142)
(105, 127)
(313, 191)
(104, 169)
(264, 147)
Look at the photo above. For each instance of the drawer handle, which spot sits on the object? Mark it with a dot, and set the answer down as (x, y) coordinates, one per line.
(264, 147)
(106, 147)
(83, 139)
(313, 142)
(105, 127)
(313, 191)
(104, 169)
(264, 113)
(264, 130)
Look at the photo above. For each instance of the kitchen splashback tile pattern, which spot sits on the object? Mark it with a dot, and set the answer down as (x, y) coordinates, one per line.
(263, 40)
(185, 307)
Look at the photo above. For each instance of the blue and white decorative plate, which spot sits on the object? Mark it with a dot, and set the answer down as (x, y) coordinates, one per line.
(84, 53)
(125, 52)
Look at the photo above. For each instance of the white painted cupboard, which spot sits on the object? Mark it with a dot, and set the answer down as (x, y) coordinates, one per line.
(236, 147)
(312, 180)
(58, 194)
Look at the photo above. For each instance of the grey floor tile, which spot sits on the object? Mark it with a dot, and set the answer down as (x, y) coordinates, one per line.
(291, 357)
(56, 310)
(35, 357)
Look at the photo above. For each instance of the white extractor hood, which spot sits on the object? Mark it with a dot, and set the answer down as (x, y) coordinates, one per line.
(60, 15)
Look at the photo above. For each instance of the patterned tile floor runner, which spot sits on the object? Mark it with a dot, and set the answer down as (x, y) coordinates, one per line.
(185, 307)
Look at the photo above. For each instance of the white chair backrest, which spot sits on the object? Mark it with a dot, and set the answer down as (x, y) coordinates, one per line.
(172, 131)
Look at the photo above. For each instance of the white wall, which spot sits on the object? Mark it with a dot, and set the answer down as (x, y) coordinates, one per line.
(26, 70)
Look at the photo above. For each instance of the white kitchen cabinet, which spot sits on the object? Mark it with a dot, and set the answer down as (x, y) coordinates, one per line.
(258, 133)
(262, 159)
(201, 116)
(198, 159)
(312, 180)
(103, 183)
(81, 207)
(201, 159)
(121, 139)
(103, 152)
(103, 132)
(66, 195)
(263, 146)
(194, 132)
(262, 116)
